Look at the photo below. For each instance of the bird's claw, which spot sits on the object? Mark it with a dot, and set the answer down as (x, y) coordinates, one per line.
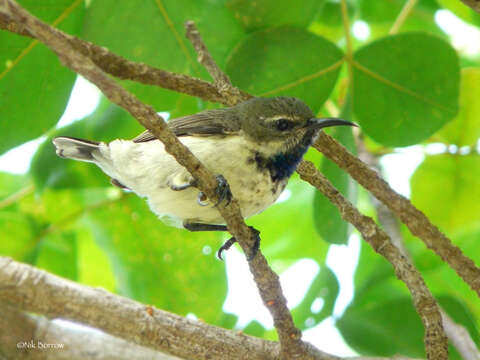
(228, 244)
(223, 190)
(202, 199)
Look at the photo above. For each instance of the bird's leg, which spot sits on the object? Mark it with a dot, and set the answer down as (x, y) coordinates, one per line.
(228, 244)
(191, 226)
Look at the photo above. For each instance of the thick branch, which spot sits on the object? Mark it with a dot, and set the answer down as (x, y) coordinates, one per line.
(416, 221)
(23, 336)
(27, 288)
(435, 339)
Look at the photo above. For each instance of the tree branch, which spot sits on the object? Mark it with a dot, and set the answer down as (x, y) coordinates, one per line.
(221, 80)
(32, 337)
(27, 288)
(435, 340)
(122, 68)
(418, 224)
(457, 334)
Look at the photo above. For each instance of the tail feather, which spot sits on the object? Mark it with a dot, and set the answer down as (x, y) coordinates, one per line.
(73, 148)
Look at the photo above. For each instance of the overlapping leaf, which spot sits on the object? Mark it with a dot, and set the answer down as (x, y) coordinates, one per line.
(401, 93)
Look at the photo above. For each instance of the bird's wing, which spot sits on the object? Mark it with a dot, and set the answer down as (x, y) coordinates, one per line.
(210, 122)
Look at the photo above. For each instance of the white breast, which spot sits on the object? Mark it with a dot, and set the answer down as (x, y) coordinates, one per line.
(145, 167)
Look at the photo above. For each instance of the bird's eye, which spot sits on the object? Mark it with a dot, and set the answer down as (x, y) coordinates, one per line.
(283, 124)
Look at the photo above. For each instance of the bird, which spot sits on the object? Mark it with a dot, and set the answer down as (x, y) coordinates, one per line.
(254, 147)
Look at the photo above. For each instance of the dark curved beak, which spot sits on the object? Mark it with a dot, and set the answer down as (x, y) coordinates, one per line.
(317, 123)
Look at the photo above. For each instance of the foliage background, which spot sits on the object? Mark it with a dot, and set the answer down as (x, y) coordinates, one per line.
(408, 88)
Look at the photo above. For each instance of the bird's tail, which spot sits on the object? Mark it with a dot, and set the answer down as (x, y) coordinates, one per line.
(78, 149)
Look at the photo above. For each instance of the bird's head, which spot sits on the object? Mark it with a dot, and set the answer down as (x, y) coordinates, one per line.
(281, 123)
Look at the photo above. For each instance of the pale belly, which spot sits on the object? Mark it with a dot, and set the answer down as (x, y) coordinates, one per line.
(252, 187)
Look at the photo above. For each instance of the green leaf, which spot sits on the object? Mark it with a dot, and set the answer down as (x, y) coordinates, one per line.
(383, 328)
(386, 328)
(328, 221)
(464, 130)
(401, 94)
(121, 26)
(446, 187)
(254, 328)
(157, 264)
(34, 87)
(324, 288)
(286, 61)
(17, 227)
(57, 253)
(256, 15)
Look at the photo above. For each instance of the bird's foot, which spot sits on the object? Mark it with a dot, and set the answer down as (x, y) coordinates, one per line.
(223, 190)
(202, 199)
(228, 244)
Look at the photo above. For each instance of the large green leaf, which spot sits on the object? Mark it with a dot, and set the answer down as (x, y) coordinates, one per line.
(386, 328)
(256, 15)
(171, 268)
(401, 93)
(34, 87)
(447, 188)
(465, 129)
(286, 61)
(324, 289)
(152, 32)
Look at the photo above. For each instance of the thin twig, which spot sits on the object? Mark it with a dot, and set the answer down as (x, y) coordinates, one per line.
(275, 302)
(16, 196)
(457, 334)
(416, 221)
(349, 42)
(122, 68)
(221, 80)
(402, 16)
(435, 340)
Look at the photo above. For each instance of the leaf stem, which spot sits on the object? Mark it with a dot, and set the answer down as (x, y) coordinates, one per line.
(16, 196)
(402, 17)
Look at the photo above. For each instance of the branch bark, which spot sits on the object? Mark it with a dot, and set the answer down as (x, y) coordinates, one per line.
(474, 4)
(24, 336)
(27, 288)
(416, 221)
(435, 340)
